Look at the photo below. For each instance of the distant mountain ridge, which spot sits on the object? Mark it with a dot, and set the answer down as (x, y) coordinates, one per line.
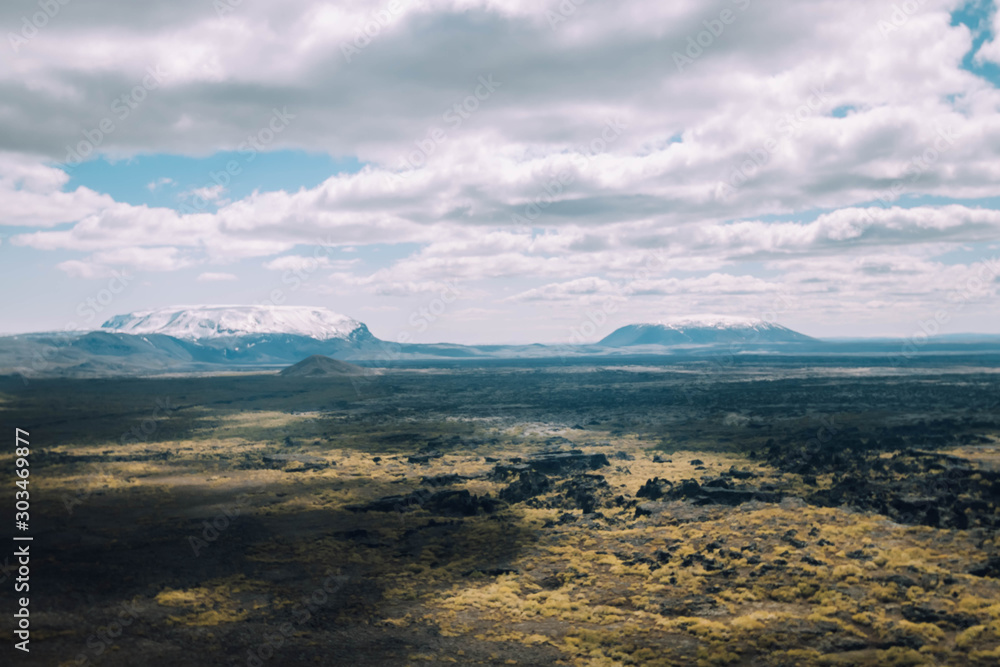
(242, 338)
(706, 330)
(201, 322)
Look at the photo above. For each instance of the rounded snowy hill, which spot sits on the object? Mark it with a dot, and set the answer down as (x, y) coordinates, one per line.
(704, 330)
(201, 322)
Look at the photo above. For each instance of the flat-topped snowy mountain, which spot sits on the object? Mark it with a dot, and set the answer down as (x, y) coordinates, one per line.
(225, 338)
(201, 322)
(704, 330)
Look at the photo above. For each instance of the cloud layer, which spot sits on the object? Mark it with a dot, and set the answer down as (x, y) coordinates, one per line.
(838, 153)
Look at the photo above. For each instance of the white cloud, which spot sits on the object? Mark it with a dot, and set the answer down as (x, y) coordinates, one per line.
(155, 185)
(31, 194)
(593, 154)
(209, 193)
(989, 52)
(216, 277)
(103, 263)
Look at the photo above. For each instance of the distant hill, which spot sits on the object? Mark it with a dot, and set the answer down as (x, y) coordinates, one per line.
(320, 366)
(703, 331)
(321, 343)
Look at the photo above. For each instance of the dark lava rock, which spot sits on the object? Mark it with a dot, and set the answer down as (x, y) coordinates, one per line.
(990, 568)
(646, 509)
(697, 462)
(740, 474)
(688, 489)
(622, 501)
(393, 503)
(840, 643)
(554, 463)
(424, 457)
(442, 480)
(789, 538)
(913, 486)
(733, 497)
(695, 605)
(654, 489)
(307, 462)
(454, 503)
(460, 503)
(586, 492)
(901, 581)
(561, 463)
(709, 564)
(358, 534)
(492, 572)
(529, 484)
(920, 614)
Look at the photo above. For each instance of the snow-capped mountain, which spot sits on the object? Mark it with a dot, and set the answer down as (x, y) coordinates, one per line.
(217, 338)
(703, 330)
(201, 322)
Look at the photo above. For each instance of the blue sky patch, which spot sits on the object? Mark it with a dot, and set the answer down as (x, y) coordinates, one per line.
(167, 180)
(976, 16)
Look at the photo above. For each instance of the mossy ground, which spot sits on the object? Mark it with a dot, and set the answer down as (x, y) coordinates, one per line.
(226, 530)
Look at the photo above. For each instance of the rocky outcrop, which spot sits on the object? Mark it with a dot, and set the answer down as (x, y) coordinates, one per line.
(559, 464)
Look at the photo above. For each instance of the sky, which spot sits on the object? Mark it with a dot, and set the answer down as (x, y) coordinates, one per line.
(518, 171)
